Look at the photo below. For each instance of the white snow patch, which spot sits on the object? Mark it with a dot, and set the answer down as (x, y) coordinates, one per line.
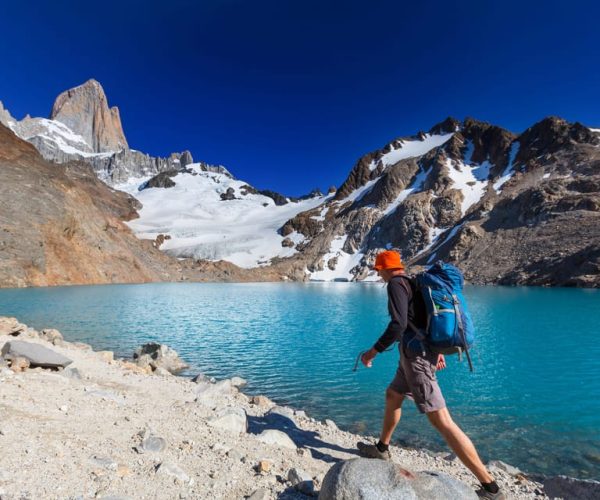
(201, 225)
(415, 187)
(345, 262)
(358, 193)
(596, 130)
(545, 176)
(321, 216)
(412, 148)
(446, 239)
(509, 170)
(470, 180)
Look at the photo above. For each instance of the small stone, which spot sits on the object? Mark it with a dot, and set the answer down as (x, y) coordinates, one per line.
(264, 466)
(19, 364)
(64, 408)
(172, 470)
(230, 419)
(235, 455)
(261, 401)
(276, 438)
(104, 462)
(204, 378)
(301, 481)
(238, 382)
(123, 470)
(153, 444)
(51, 335)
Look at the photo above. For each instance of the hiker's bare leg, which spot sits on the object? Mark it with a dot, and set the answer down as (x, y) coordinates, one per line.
(393, 412)
(460, 443)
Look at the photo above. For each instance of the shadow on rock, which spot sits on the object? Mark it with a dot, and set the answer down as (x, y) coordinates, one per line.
(301, 438)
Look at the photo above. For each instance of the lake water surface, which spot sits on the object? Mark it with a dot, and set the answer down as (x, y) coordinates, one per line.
(533, 400)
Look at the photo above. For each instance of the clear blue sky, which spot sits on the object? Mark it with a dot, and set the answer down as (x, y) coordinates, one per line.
(288, 94)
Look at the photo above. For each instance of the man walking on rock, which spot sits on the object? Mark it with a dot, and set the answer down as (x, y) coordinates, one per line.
(416, 378)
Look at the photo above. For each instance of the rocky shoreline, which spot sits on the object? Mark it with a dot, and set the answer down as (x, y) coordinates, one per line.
(81, 424)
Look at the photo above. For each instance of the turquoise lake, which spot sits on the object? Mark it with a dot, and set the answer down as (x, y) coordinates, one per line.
(533, 400)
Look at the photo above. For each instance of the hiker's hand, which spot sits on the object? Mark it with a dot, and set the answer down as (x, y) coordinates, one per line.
(367, 357)
(441, 362)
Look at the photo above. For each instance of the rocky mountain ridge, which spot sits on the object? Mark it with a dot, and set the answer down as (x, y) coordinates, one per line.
(507, 208)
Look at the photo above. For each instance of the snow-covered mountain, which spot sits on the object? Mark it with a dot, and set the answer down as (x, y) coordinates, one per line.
(208, 215)
(507, 208)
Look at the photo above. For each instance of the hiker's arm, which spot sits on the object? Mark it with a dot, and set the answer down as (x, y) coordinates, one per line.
(398, 305)
(441, 362)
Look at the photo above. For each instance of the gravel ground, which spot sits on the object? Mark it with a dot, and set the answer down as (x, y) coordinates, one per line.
(67, 437)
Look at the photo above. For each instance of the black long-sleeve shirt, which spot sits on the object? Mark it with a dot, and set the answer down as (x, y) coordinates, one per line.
(399, 301)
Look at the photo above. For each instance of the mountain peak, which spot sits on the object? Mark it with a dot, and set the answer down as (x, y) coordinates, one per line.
(84, 109)
(449, 125)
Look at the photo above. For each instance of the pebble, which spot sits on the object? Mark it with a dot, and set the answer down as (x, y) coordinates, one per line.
(172, 470)
(264, 466)
(152, 444)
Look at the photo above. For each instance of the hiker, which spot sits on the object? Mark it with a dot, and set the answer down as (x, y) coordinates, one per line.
(415, 377)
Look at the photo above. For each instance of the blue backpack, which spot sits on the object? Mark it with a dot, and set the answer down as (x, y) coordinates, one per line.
(448, 328)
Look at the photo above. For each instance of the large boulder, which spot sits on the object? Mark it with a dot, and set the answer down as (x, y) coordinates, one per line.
(158, 355)
(370, 479)
(37, 355)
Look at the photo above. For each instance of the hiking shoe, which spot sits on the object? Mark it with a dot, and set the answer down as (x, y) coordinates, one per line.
(483, 493)
(371, 451)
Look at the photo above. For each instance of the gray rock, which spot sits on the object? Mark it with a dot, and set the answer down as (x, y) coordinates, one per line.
(104, 462)
(371, 479)
(499, 465)
(153, 444)
(201, 377)
(231, 420)
(260, 494)
(235, 454)
(571, 488)
(51, 335)
(172, 470)
(3, 363)
(228, 195)
(156, 355)
(276, 438)
(37, 355)
(238, 382)
(302, 481)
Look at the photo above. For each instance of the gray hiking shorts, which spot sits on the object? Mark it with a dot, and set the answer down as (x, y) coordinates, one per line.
(416, 379)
